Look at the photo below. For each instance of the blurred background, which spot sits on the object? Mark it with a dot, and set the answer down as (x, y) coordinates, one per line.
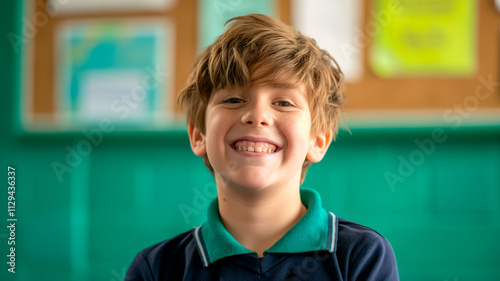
(102, 163)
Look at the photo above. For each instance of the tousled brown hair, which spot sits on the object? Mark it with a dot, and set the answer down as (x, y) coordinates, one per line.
(257, 49)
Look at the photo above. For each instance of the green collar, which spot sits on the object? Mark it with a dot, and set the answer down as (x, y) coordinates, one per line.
(316, 231)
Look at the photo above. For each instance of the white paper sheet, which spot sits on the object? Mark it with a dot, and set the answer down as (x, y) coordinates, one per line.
(56, 7)
(335, 25)
(105, 92)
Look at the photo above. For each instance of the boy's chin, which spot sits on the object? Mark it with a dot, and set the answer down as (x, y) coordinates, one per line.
(252, 185)
(248, 182)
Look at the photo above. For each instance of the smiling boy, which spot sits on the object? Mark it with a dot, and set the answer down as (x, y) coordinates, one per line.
(263, 103)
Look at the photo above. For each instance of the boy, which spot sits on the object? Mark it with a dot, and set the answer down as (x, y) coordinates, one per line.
(263, 103)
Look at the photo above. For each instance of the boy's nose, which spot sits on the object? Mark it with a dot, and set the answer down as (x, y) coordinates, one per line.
(257, 114)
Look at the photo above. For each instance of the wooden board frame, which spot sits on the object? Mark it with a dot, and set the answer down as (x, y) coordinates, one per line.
(372, 98)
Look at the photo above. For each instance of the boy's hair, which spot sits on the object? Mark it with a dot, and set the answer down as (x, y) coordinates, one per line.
(257, 49)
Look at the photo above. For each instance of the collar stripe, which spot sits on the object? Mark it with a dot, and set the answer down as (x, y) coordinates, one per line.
(332, 232)
(201, 249)
(315, 231)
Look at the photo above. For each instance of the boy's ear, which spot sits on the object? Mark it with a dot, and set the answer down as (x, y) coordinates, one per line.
(318, 146)
(197, 140)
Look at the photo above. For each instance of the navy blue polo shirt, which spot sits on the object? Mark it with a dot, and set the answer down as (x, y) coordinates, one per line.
(319, 247)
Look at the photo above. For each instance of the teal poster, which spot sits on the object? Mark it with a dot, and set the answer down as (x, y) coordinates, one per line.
(214, 13)
(116, 71)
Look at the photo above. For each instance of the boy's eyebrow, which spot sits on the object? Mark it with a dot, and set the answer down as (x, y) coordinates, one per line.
(283, 85)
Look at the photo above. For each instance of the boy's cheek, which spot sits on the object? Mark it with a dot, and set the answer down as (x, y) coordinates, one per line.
(305, 126)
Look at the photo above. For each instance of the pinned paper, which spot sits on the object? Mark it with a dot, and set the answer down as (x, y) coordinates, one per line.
(213, 14)
(100, 6)
(336, 26)
(423, 38)
(120, 70)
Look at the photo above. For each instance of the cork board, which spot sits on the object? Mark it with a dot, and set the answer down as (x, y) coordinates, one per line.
(373, 92)
(368, 94)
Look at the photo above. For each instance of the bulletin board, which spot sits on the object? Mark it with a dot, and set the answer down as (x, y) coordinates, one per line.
(373, 92)
(40, 108)
(369, 96)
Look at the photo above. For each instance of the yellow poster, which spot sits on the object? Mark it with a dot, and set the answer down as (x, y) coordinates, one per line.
(422, 37)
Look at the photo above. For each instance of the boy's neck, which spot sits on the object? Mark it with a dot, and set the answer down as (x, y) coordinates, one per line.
(257, 219)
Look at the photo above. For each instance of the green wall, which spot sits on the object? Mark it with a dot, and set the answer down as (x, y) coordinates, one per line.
(441, 213)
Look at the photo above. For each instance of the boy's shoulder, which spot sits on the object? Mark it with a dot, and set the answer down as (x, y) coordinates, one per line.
(174, 253)
(172, 245)
(354, 233)
(365, 248)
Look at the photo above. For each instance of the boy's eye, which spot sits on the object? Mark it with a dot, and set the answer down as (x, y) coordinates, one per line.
(283, 103)
(233, 100)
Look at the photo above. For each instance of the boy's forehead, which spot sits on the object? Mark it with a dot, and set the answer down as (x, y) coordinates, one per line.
(274, 75)
(287, 88)
(282, 88)
(278, 80)
(268, 74)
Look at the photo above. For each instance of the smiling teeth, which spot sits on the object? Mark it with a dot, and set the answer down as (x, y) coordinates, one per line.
(256, 147)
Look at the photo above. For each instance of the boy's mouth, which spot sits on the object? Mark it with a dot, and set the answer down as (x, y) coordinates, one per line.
(255, 147)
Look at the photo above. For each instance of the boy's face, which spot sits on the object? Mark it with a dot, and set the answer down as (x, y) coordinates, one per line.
(258, 137)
